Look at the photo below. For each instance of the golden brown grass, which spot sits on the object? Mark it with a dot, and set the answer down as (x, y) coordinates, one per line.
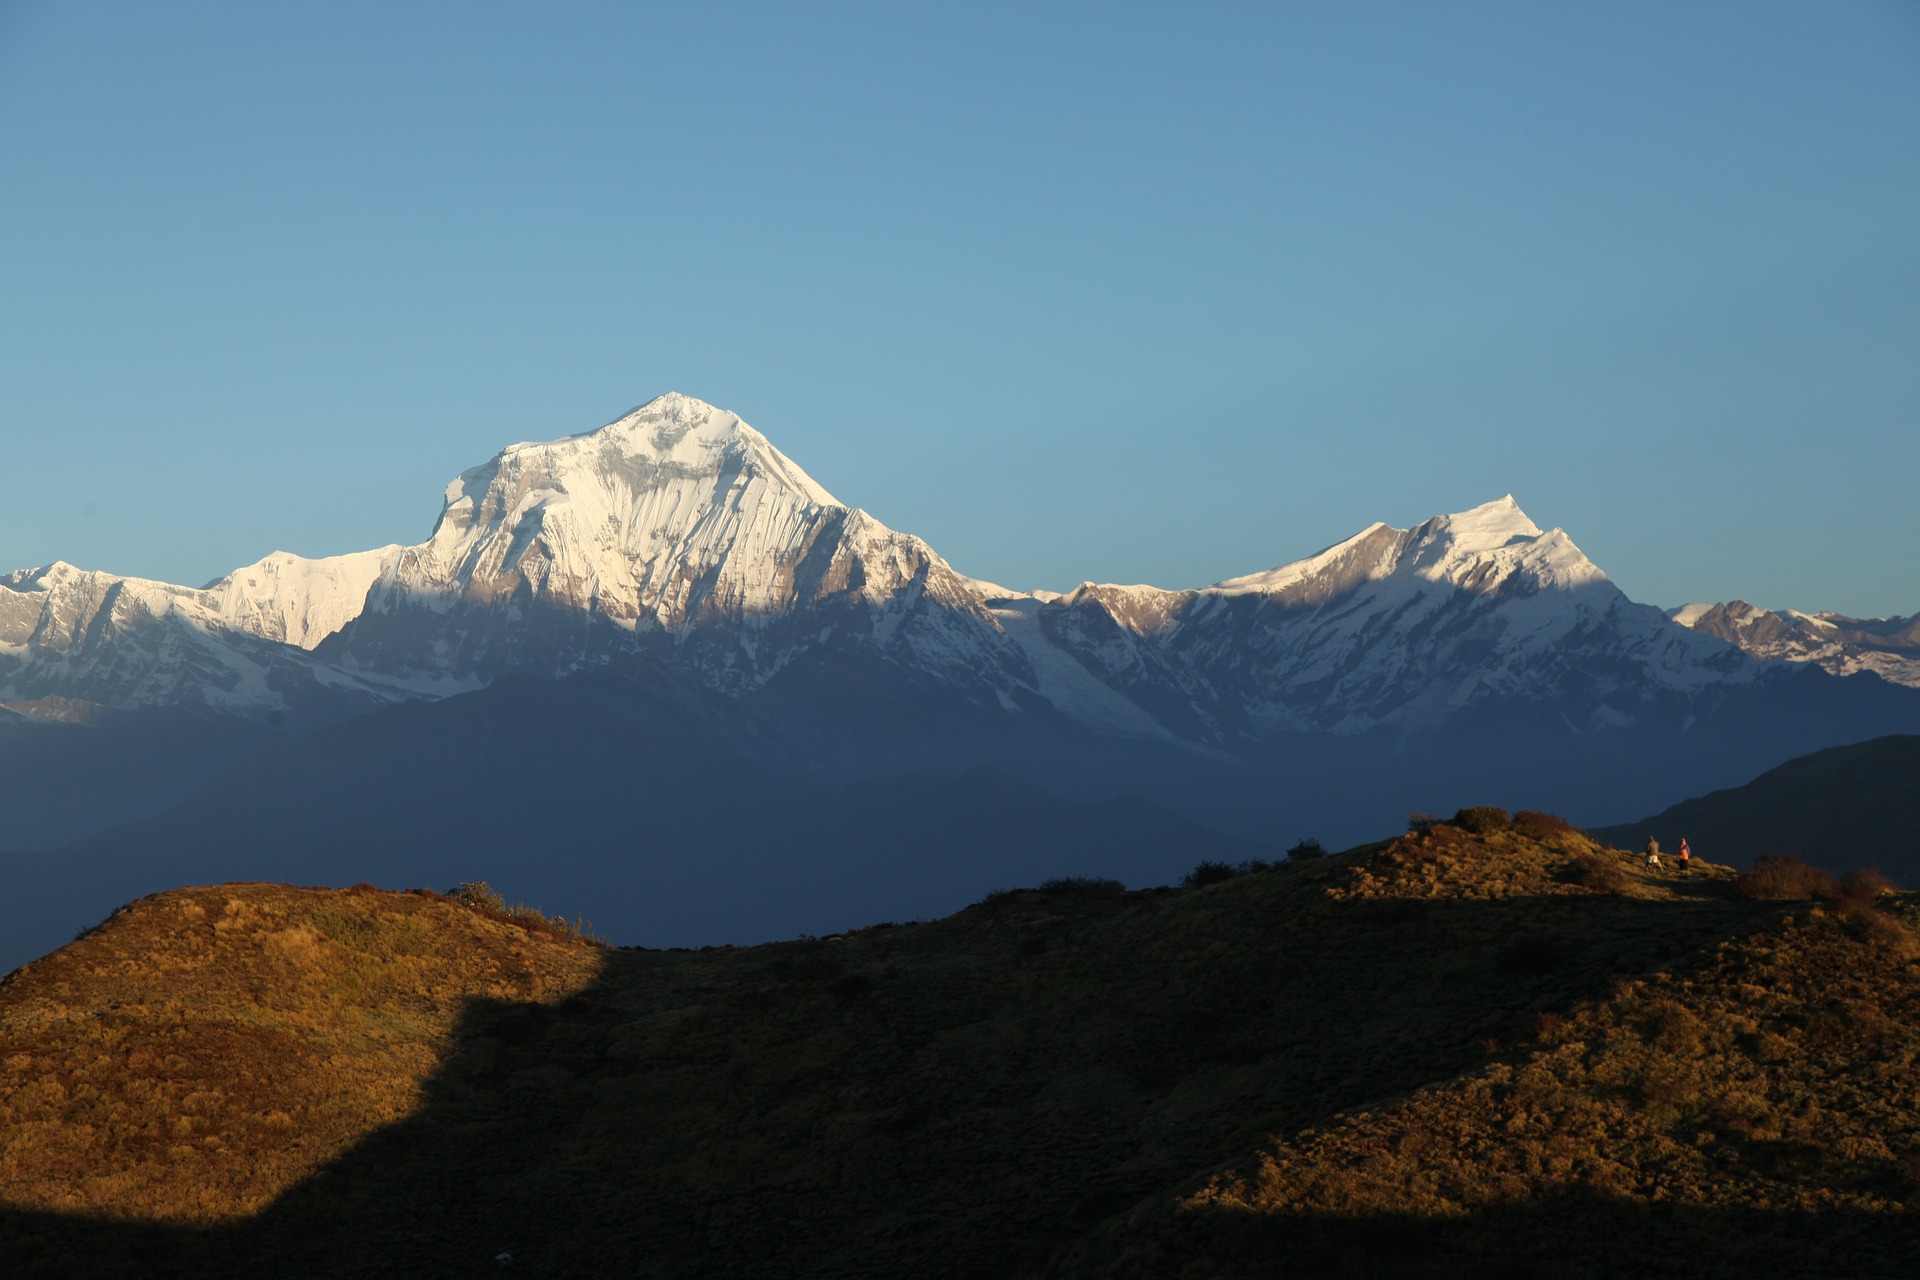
(1724, 1086)
(209, 1048)
(1534, 855)
(1442, 1028)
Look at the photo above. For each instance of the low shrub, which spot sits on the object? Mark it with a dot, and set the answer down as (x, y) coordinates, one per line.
(1538, 825)
(1305, 850)
(1206, 873)
(1482, 819)
(1782, 876)
(1082, 884)
(1419, 821)
(1600, 873)
(1862, 887)
(478, 895)
(1212, 872)
(1881, 932)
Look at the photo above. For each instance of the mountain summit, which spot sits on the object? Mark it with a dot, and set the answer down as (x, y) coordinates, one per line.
(675, 522)
(678, 534)
(1394, 627)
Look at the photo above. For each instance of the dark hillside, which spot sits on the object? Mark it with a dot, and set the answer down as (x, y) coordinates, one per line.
(1749, 1115)
(1034, 1084)
(1850, 806)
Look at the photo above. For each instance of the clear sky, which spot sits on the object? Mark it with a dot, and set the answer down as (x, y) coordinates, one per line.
(1129, 292)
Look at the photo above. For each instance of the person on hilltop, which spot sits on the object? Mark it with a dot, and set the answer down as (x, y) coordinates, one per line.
(1686, 857)
(1653, 852)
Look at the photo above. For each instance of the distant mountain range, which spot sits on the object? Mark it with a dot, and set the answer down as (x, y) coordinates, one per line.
(681, 533)
(1887, 647)
(675, 561)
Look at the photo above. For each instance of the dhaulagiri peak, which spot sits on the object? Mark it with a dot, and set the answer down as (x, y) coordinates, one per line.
(670, 435)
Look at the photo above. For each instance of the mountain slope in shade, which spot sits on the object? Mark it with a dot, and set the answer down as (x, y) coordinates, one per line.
(1846, 807)
(1887, 647)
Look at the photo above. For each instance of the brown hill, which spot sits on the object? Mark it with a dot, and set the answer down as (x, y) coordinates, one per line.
(220, 1080)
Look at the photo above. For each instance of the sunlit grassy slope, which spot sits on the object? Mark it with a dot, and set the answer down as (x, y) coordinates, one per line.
(204, 1050)
(1457, 1049)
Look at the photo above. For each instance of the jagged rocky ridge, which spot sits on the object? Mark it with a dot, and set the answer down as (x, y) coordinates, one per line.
(1887, 647)
(679, 533)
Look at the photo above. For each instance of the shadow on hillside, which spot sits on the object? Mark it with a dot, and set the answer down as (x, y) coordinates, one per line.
(963, 1098)
(1568, 1235)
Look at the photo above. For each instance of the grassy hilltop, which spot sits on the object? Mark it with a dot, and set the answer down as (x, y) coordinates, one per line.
(1488, 1045)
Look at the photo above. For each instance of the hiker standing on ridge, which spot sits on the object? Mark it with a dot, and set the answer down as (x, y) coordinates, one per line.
(1686, 857)
(1653, 852)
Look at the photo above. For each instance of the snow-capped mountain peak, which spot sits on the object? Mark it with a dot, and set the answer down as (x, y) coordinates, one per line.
(1495, 544)
(633, 516)
(1487, 527)
(1403, 626)
(672, 434)
(296, 600)
(675, 518)
(1477, 550)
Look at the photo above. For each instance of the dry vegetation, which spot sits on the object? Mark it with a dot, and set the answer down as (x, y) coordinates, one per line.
(1488, 1043)
(206, 1049)
(1766, 1091)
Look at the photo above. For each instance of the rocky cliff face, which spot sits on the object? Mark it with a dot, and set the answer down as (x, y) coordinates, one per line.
(1887, 647)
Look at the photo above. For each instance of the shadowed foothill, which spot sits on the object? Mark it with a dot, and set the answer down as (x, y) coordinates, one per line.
(1475, 1041)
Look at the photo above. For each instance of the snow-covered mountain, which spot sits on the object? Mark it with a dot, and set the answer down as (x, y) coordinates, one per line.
(677, 529)
(1888, 647)
(238, 646)
(1392, 627)
(678, 534)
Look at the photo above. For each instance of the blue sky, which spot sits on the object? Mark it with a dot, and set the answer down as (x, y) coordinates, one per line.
(1127, 292)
